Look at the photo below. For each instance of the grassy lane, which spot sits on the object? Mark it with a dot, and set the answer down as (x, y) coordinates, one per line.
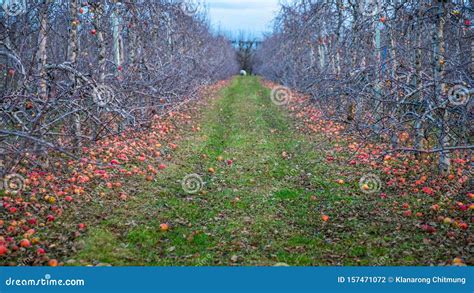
(259, 211)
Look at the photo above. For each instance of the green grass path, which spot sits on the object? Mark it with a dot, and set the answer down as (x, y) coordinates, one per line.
(257, 212)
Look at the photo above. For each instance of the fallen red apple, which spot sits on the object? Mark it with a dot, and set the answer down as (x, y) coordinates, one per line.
(447, 220)
(25, 243)
(407, 213)
(435, 207)
(428, 228)
(463, 225)
(53, 263)
(123, 196)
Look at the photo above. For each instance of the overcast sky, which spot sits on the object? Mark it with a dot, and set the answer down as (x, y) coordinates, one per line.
(251, 16)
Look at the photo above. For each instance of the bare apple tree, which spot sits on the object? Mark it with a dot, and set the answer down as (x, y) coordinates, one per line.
(386, 68)
(73, 72)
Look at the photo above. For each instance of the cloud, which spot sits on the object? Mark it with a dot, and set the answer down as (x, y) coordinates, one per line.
(241, 5)
(251, 16)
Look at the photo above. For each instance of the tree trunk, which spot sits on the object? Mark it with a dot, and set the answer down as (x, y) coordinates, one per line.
(42, 54)
(439, 51)
(322, 57)
(117, 40)
(418, 144)
(472, 53)
(72, 59)
(377, 47)
(98, 11)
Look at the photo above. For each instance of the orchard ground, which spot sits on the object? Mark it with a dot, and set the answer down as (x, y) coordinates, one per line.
(280, 186)
(266, 207)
